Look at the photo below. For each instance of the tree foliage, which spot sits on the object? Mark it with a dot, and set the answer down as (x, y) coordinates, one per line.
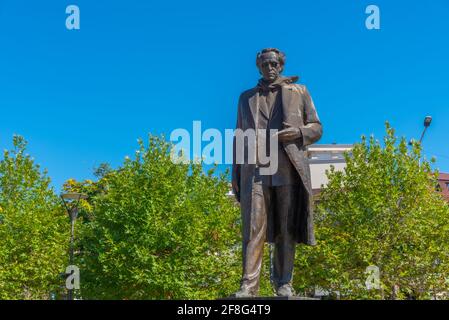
(382, 211)
(33, 228)
(154, 229)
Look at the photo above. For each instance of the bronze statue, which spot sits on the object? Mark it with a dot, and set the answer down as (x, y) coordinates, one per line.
(276, 208)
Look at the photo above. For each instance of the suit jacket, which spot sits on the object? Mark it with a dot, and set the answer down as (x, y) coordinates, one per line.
(272, 119)
(299, 111)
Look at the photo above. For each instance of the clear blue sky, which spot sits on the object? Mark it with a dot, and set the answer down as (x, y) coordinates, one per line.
(83, 97)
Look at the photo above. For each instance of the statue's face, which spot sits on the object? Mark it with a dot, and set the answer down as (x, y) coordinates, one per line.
(270, 67)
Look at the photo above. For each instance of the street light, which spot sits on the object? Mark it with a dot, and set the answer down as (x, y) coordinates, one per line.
(71, 202)
(427, 122)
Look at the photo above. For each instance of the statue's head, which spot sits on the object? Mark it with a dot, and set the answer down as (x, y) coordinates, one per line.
(271, 63)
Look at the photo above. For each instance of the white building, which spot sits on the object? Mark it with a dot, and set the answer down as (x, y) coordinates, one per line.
(321, 157)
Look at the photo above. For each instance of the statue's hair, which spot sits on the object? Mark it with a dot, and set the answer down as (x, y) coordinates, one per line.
(279, 53)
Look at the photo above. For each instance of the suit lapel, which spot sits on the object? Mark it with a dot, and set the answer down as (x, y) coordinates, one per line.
(254, 106)
(290, 105)
(290, 98)
(286, 97)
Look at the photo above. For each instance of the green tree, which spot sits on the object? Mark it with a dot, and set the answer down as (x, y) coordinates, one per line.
(33, 229)
(382, 211)
(158, 230)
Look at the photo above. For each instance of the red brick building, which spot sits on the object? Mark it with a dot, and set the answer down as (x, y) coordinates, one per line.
(443, 182)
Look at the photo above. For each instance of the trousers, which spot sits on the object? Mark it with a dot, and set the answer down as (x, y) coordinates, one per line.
(282, 200)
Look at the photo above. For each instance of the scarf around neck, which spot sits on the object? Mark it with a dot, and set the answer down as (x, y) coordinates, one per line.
(265, 86)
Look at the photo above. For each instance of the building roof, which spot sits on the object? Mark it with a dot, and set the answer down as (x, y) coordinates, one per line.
(330, 147)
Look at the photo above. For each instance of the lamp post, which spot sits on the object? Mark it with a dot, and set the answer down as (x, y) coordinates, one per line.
(427, 122)
(71, 203)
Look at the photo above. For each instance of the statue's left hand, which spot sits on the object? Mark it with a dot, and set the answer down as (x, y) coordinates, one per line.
(289, 134)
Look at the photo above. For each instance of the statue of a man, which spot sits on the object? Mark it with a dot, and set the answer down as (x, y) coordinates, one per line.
(276, 208)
